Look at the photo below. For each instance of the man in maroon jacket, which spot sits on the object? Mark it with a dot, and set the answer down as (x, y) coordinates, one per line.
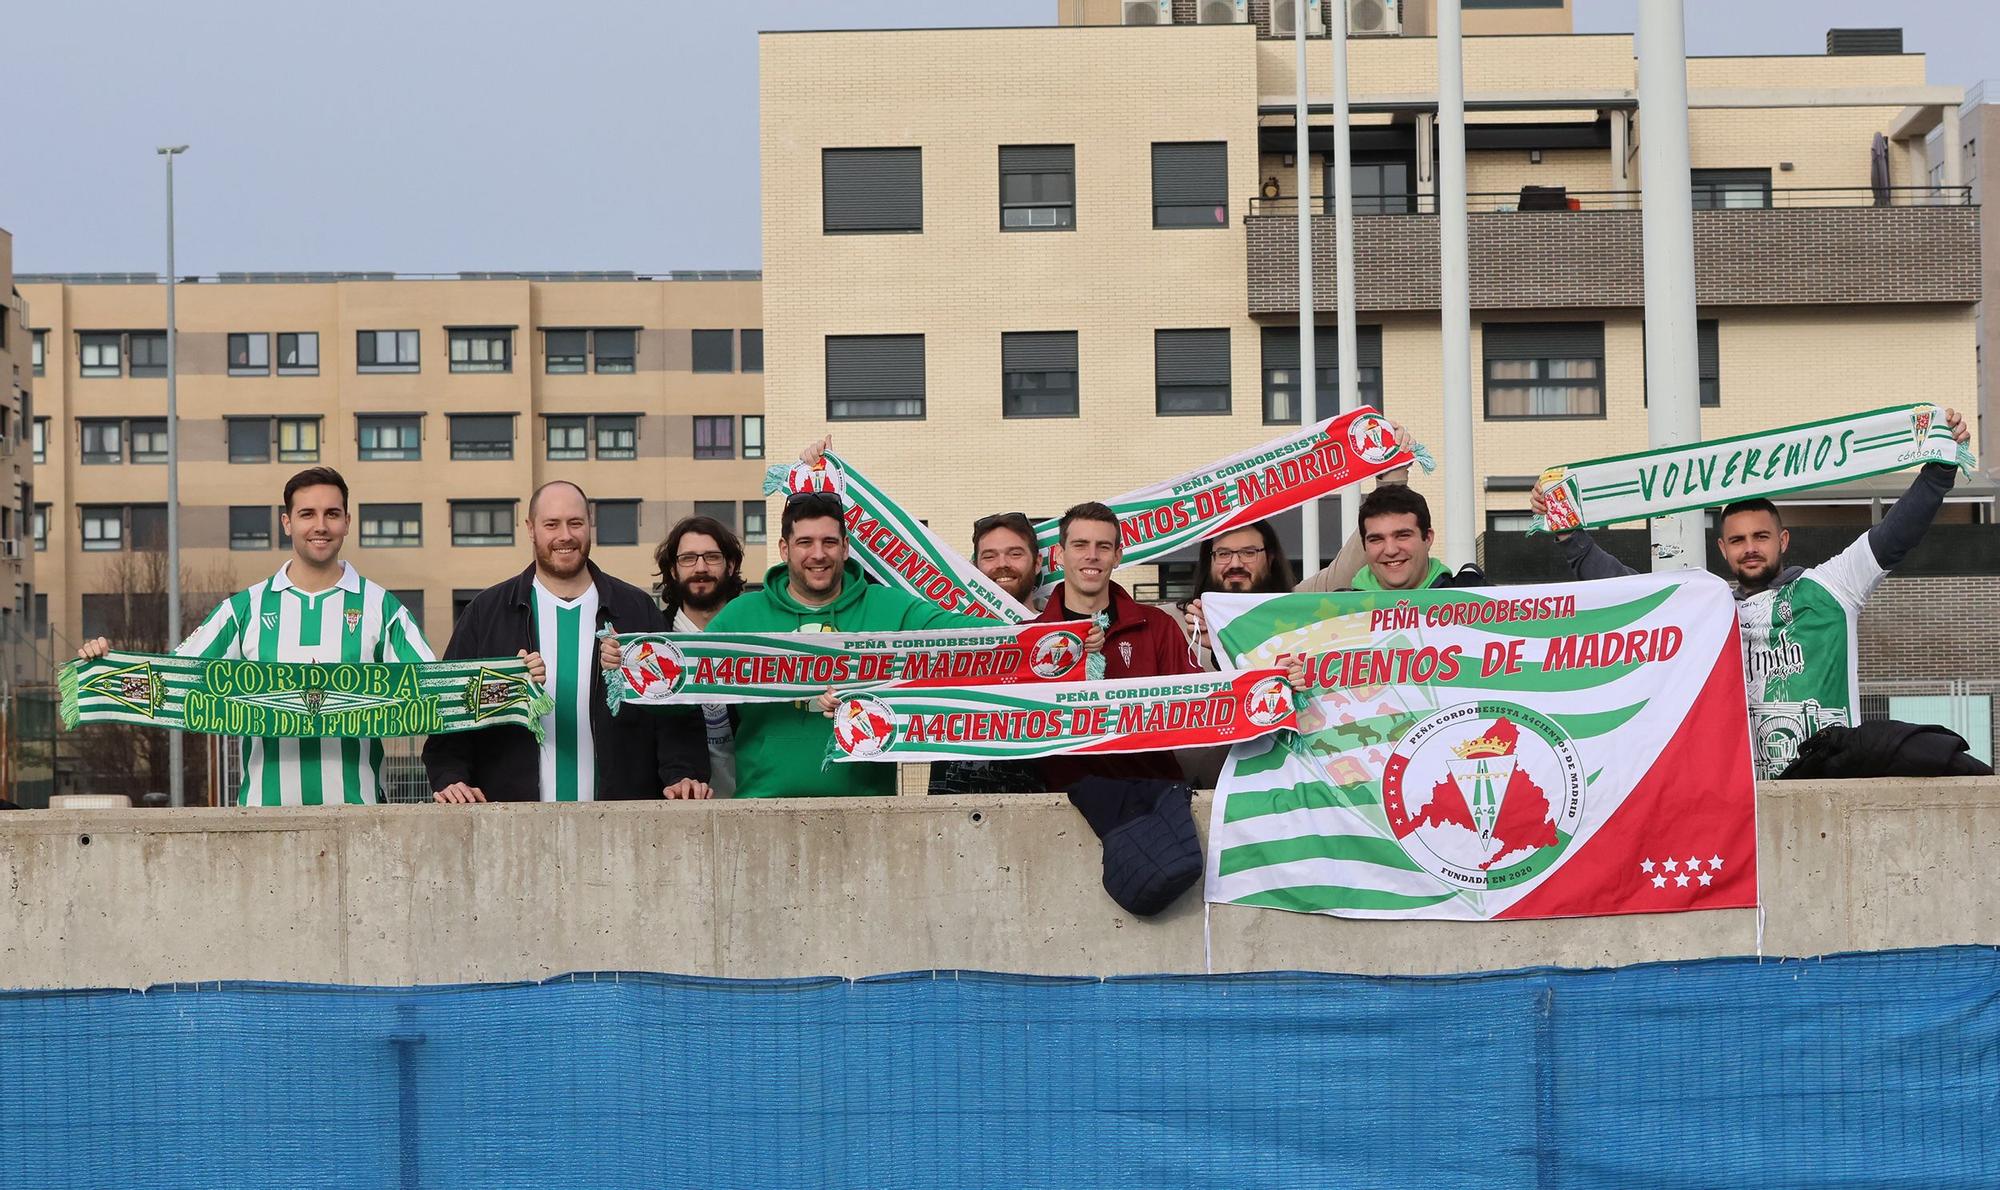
(1139, 641)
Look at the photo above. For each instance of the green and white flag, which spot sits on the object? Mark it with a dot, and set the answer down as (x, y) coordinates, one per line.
(1481, 754)
(666, 668)
(1768, 463)
(1074, 718)
(301, 700)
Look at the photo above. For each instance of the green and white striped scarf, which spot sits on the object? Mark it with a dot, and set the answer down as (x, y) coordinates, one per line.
(301, 700)
(1768, 463)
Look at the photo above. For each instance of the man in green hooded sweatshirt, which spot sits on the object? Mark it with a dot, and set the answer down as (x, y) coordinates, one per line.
(780, 747)
(1396, 538)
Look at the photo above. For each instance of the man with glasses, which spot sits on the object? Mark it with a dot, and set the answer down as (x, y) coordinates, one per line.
(1218, 575)
(1247, 560)
(701, 570)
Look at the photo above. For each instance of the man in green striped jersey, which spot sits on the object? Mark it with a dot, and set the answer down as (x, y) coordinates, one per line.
(316, 608)
(1800, 625)
(587, 753)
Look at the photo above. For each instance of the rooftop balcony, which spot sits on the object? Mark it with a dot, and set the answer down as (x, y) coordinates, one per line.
(1568, 249)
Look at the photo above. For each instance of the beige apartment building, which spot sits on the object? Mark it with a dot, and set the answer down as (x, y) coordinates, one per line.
(1019, 268)
(1979, 125)
(444, 402)
(17, 560)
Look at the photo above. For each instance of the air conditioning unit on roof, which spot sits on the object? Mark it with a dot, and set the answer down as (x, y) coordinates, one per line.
(1374, 18)
(1149, 12)
(1285, 18)
(1224, 12)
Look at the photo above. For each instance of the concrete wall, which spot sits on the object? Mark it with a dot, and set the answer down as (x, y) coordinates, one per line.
(398, 895)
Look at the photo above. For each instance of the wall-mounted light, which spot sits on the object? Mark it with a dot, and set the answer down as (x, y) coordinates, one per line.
(1288, 161)
(1785, 167)
(1534, 156)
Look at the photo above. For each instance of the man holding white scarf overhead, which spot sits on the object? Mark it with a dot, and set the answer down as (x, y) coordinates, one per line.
(1800, 654)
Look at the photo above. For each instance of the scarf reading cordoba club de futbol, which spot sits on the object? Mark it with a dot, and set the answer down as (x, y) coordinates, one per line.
(1768, 463)
(1086, 718)
(302, 700)
(666, 668)
(901, 551)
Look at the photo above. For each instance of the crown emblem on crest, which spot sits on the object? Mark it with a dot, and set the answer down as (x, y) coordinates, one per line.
(1486, 745)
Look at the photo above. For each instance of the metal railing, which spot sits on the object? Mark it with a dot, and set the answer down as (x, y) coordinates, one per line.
(403, 780)
(1707, 198)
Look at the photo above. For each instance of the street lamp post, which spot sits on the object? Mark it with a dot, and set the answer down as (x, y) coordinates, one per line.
(176, 794)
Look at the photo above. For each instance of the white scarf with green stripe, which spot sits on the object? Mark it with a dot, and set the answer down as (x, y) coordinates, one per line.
(1768, 463)
(900, 551)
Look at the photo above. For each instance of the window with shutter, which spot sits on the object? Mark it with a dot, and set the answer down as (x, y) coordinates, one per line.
(1191, 372)
(1037, 187)
(1282, 396)
(1191, 184)
(871, 191)
(874, 377)
(1543, 369)
(1038, 374)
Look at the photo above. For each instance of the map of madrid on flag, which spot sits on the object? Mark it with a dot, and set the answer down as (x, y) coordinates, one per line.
(1486, 794)
(1497, 753)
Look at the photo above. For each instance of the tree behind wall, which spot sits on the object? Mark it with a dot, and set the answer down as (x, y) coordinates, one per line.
(131, 601)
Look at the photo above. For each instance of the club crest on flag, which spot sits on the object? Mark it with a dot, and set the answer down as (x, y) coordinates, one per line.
(1559, 490)
(1372, 438)
(1484, 795)
(490, 692)
(1920, 423)
(1268, 701)
(820, 475)
(652, 663)
(863, 726)
(133, 686)
(1056, 655)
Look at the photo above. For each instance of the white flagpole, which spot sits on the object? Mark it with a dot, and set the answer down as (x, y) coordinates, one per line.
(1454, 291)
(1308, 402)
(1343, 246)
(1666, 201)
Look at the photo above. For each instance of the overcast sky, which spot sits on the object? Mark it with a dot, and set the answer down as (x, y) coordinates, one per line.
(436, 135)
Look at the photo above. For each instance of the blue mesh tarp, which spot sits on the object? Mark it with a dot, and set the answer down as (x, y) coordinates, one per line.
(1858, 1070)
